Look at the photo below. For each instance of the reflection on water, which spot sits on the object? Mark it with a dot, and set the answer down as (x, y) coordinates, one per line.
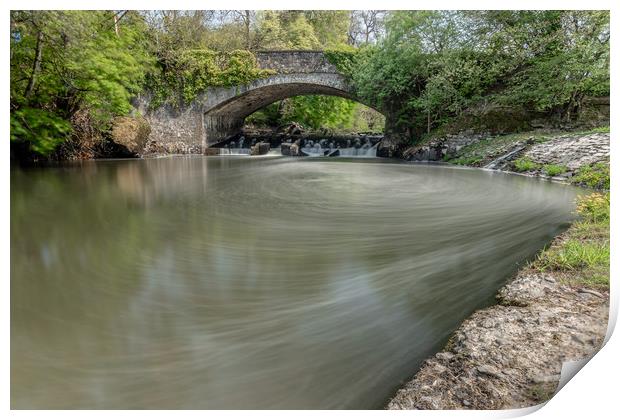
(202, 282)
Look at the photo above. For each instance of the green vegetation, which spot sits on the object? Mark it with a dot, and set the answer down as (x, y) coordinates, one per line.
(67, 62)
(593, 176)
(187, 73)
(581, 255)
(73, 72)
(466, 160)
(319, 30)
(525, 165)
(435, 66)
(553, 170)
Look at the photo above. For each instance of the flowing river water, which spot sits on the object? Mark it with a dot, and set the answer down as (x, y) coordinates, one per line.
(254, 282)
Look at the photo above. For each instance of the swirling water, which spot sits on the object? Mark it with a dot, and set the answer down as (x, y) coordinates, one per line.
(269, 282)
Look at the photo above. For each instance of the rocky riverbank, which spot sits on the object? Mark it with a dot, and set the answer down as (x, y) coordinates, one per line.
(555, 310)
(547, 154)
(510, 355)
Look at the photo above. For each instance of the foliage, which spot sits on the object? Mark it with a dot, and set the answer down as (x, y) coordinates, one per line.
(43, 130)
(306, 30)
(66, 61)
(553, 170)
(594, 207)
(319, 111)
(346, 59)
(593, 176)
(301, 35)
(525, 165)
(433, 65)
(187, 73)
(581, 256)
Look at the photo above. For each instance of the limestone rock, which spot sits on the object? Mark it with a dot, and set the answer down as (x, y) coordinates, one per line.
(131, 132)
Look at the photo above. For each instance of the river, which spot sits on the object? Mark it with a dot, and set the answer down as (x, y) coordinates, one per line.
(254, 282)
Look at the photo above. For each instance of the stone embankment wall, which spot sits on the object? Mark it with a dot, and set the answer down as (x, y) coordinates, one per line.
(570, 150)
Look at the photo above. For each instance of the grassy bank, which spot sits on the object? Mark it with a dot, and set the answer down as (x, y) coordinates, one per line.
(580, 256)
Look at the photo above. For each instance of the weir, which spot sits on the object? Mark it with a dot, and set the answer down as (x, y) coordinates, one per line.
(358, 147)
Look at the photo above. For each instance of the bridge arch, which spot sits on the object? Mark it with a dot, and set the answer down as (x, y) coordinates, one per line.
(220, 112)
(225, 113)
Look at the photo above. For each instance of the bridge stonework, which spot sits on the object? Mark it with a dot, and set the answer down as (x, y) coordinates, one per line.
(220, 112)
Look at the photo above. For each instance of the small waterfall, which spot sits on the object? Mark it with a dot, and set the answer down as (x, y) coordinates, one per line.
(364, 151)
(234, 151)
(314, 150)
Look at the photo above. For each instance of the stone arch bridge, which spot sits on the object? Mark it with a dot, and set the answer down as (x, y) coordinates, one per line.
(220, 112)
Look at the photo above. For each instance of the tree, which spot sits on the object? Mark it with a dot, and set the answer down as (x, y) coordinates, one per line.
(70, 61)
(366, 27)
(432, 65)
(300, 34)
(330, 26)
(270, 34)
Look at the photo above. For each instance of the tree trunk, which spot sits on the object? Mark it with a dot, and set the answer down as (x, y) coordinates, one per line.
(116, 23)
(428, 121)
(36, 65)
(248, 43)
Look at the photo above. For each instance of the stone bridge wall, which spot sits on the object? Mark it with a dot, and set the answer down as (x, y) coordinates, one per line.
(220, 112)
(295, 62)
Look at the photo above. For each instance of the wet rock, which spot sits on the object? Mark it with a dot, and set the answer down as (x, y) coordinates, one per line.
(295, 149)
(260, 148)
(285, 149)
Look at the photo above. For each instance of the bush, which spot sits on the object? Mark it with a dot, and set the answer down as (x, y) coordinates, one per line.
(553, 170)
(594, 176)
(525, 165)
(594, 207)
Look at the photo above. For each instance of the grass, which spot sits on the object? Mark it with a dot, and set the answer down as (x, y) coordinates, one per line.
(553, 170)
(574, 255)
(593, 176)
(601, 129)
(525, 165)
(466, 160)
(581, 255)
